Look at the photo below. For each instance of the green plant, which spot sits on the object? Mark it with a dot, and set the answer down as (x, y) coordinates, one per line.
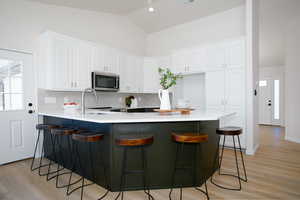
(167, 78)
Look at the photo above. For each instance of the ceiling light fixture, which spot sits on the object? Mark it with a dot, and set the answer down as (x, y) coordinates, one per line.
(150, 7)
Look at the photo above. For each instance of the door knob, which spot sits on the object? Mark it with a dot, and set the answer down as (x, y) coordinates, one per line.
(30, 111)
(30, 104)
(269, 104)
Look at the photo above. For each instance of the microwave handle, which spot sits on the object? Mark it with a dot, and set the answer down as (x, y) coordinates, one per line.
(117, 83)
(93, 80)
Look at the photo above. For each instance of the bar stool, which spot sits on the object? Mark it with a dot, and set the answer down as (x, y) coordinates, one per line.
(85, 137)
(41, 128)
(194, 139)
(57, 135)
(130, 142)
(234, 132)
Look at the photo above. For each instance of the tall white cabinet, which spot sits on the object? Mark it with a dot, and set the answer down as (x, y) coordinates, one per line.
(225, 85)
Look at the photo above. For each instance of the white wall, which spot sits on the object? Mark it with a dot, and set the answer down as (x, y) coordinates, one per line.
(292, 77)
(218, 27)
(22, 21)
(252, 71)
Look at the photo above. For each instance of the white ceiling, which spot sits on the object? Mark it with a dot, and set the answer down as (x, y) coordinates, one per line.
(167, 12)
(119, 7)
(274, 18)
(174, 12)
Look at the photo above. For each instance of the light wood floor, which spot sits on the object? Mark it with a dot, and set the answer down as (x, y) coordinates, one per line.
(273, 173)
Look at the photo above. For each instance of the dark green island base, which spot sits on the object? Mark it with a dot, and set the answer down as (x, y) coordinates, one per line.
(160, 155)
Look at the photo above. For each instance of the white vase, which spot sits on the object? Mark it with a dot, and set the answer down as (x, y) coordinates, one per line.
(164, 98)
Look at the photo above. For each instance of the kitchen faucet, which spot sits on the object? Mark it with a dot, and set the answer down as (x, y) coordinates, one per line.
(87, 90)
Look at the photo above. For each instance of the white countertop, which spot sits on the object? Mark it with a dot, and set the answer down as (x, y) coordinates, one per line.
(116, 117)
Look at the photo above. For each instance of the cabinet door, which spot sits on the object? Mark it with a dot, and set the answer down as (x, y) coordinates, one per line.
(236, 54)
(98, 59)
(62, 54)
(127, 73)
(178, 62)
(196, 60)
(216, 57)
(235, 94)
(111, 60)
(215, 89)
(82, 71)
(151, 76)
(235, 86)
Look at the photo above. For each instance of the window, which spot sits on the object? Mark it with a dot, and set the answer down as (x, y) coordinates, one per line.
(11, 85)
(263, 83)
(276, 99)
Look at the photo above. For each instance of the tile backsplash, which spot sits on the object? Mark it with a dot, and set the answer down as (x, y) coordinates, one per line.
(54, 99)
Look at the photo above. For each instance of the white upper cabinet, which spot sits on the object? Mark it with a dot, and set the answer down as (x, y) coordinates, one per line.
(236, 54)
(151, 76)
(111, 60)
(131, 73)
(210, 57)
(63, 63)
(216, 56)
(215, 89)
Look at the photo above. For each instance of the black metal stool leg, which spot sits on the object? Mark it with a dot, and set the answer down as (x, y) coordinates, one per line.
(222, 153)
(124, 167)
(144, 161)
(53, 142)
(74, 160)
(82, 179)
(174, 171)
(237, 164)
(105, 176)
(61, 156)
(178, 151)
(35, 150)
(202, 170)
(242, 157)
(226, 174)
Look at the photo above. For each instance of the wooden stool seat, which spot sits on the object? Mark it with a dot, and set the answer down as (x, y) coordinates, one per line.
(230, 130)
(189, 137)
(64, 131)
(133, 140)
(88, 136)
(45, 126)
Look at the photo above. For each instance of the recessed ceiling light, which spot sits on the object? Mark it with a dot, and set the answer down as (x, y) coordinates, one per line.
(151, 9)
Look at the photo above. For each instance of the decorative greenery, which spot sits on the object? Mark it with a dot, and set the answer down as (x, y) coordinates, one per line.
(167, 78)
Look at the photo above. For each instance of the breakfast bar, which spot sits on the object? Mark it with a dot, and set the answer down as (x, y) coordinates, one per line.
(160, 155)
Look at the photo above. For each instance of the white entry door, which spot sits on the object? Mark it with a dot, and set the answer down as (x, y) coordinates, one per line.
(269, 102)
(17, 101)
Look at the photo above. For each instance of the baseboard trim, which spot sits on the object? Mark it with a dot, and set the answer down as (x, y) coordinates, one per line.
(252, 151)
(291, 139)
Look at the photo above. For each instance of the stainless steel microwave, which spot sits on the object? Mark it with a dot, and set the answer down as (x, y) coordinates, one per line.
(103, 81)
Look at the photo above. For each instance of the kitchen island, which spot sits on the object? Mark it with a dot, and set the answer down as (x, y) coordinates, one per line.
(161, 154)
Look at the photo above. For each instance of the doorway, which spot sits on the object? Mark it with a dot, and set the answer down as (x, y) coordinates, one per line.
(271, 97)
(17, 99)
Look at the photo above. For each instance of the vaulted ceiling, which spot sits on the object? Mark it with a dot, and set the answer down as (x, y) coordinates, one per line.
(167, 12)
